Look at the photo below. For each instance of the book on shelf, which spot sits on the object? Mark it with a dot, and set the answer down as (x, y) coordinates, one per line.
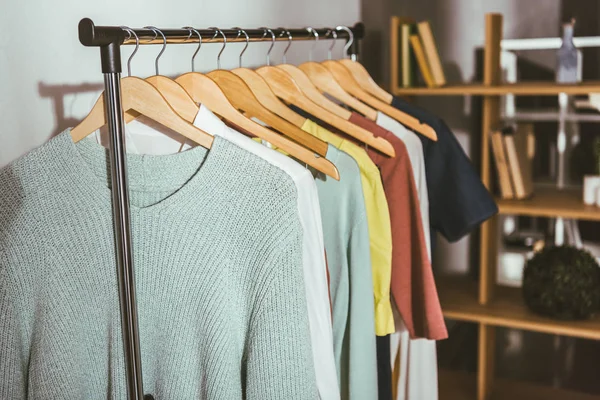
(431, 53)
(504, 181)
(417, 47)
(408, 62)
(513, 150)
(519, 152)
(403, 58)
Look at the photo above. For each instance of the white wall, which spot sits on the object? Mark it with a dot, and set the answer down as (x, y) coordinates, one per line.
(49, 81)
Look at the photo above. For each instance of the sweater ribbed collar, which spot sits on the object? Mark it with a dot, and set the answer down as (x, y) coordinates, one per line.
(161, 180)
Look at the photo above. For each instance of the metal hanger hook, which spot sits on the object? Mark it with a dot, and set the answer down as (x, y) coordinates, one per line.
(316, 35)
(131, 33)
(240, 31)
(267, 30)
(350, 40)
(333, 33)
(290, 38)
(156, 32)
(217, 32)
(189, 28)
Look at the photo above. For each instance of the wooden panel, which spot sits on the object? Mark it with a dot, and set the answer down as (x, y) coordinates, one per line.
(485, 361)
(519, 89)
(394, 53)
(488, 235)
(551, 203)
(507, 309)
(491, 117)
(457, 385)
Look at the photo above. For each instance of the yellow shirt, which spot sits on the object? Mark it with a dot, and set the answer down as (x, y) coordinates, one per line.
(378, 221)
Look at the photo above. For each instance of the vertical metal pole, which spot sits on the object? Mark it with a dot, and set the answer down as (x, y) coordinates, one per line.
(121, 219)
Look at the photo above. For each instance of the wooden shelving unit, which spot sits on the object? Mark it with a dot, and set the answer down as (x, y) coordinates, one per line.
(484, 302)
(506, 309)
(520, 89)
(461, 386)
(551, 203)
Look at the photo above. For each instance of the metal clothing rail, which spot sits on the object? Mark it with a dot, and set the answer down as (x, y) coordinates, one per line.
(109, 39)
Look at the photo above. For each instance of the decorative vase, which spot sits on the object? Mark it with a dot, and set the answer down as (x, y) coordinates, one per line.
(566, 56)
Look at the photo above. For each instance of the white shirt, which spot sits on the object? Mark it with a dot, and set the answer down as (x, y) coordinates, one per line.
(415, 359)
(315, 269)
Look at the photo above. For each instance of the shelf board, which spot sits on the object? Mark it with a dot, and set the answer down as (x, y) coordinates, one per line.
(566, 203)
(458, 297)
(520, 89)
(457, 385)
(551, 115)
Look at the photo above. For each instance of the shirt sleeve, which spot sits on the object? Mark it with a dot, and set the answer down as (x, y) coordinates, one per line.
(413, 283)
(278, 351)
(362, 365)
(380, 240)
(459, 201)
(13, 362)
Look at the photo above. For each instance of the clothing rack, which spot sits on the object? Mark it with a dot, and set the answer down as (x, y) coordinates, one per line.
(109, 39)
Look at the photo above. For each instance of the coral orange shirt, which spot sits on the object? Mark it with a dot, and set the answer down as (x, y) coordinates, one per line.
(413, 285)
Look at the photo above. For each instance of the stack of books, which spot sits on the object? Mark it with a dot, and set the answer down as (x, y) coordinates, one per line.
(413, 45)
(513, 149)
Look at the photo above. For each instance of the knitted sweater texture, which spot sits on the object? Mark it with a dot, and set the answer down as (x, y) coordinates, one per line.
(218, 259)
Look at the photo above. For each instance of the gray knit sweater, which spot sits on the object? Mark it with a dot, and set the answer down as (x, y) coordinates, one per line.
(218, 258)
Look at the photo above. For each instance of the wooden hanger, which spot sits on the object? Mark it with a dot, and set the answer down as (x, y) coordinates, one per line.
(305, 84)
(285, 88)
(175, 95)
(310, 90)
(346, 81)
(265, 95)
(364, 79)
(205, 91)
(325, 81)
(242, 98)
(360, 74)
(263, 92)
(141, 96)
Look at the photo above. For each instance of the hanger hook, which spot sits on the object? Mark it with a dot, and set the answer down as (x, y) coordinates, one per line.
(131, 33)
(217, 32)
(156, 32)
(240, 31)
(350, 40)
(189, 28)
(333, 33)
(316, 35)
(289, 35)
(267, 30)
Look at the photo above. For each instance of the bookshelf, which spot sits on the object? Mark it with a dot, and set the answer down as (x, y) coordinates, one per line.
(483, 302)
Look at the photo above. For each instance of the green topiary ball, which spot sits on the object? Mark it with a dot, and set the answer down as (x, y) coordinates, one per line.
(562, 282)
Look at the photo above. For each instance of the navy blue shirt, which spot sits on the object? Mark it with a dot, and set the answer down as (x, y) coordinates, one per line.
(458, 200)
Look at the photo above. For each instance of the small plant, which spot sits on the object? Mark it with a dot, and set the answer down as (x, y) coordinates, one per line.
(562, 282)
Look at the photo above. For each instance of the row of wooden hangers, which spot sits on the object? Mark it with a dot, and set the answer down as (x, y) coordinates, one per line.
(242, 93)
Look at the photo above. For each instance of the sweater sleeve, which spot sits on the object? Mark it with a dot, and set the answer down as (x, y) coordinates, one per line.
(278, 354)
(362, 363)
(13, 364)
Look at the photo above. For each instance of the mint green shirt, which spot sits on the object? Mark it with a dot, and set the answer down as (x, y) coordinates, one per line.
(346, 236)
(220, 290)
